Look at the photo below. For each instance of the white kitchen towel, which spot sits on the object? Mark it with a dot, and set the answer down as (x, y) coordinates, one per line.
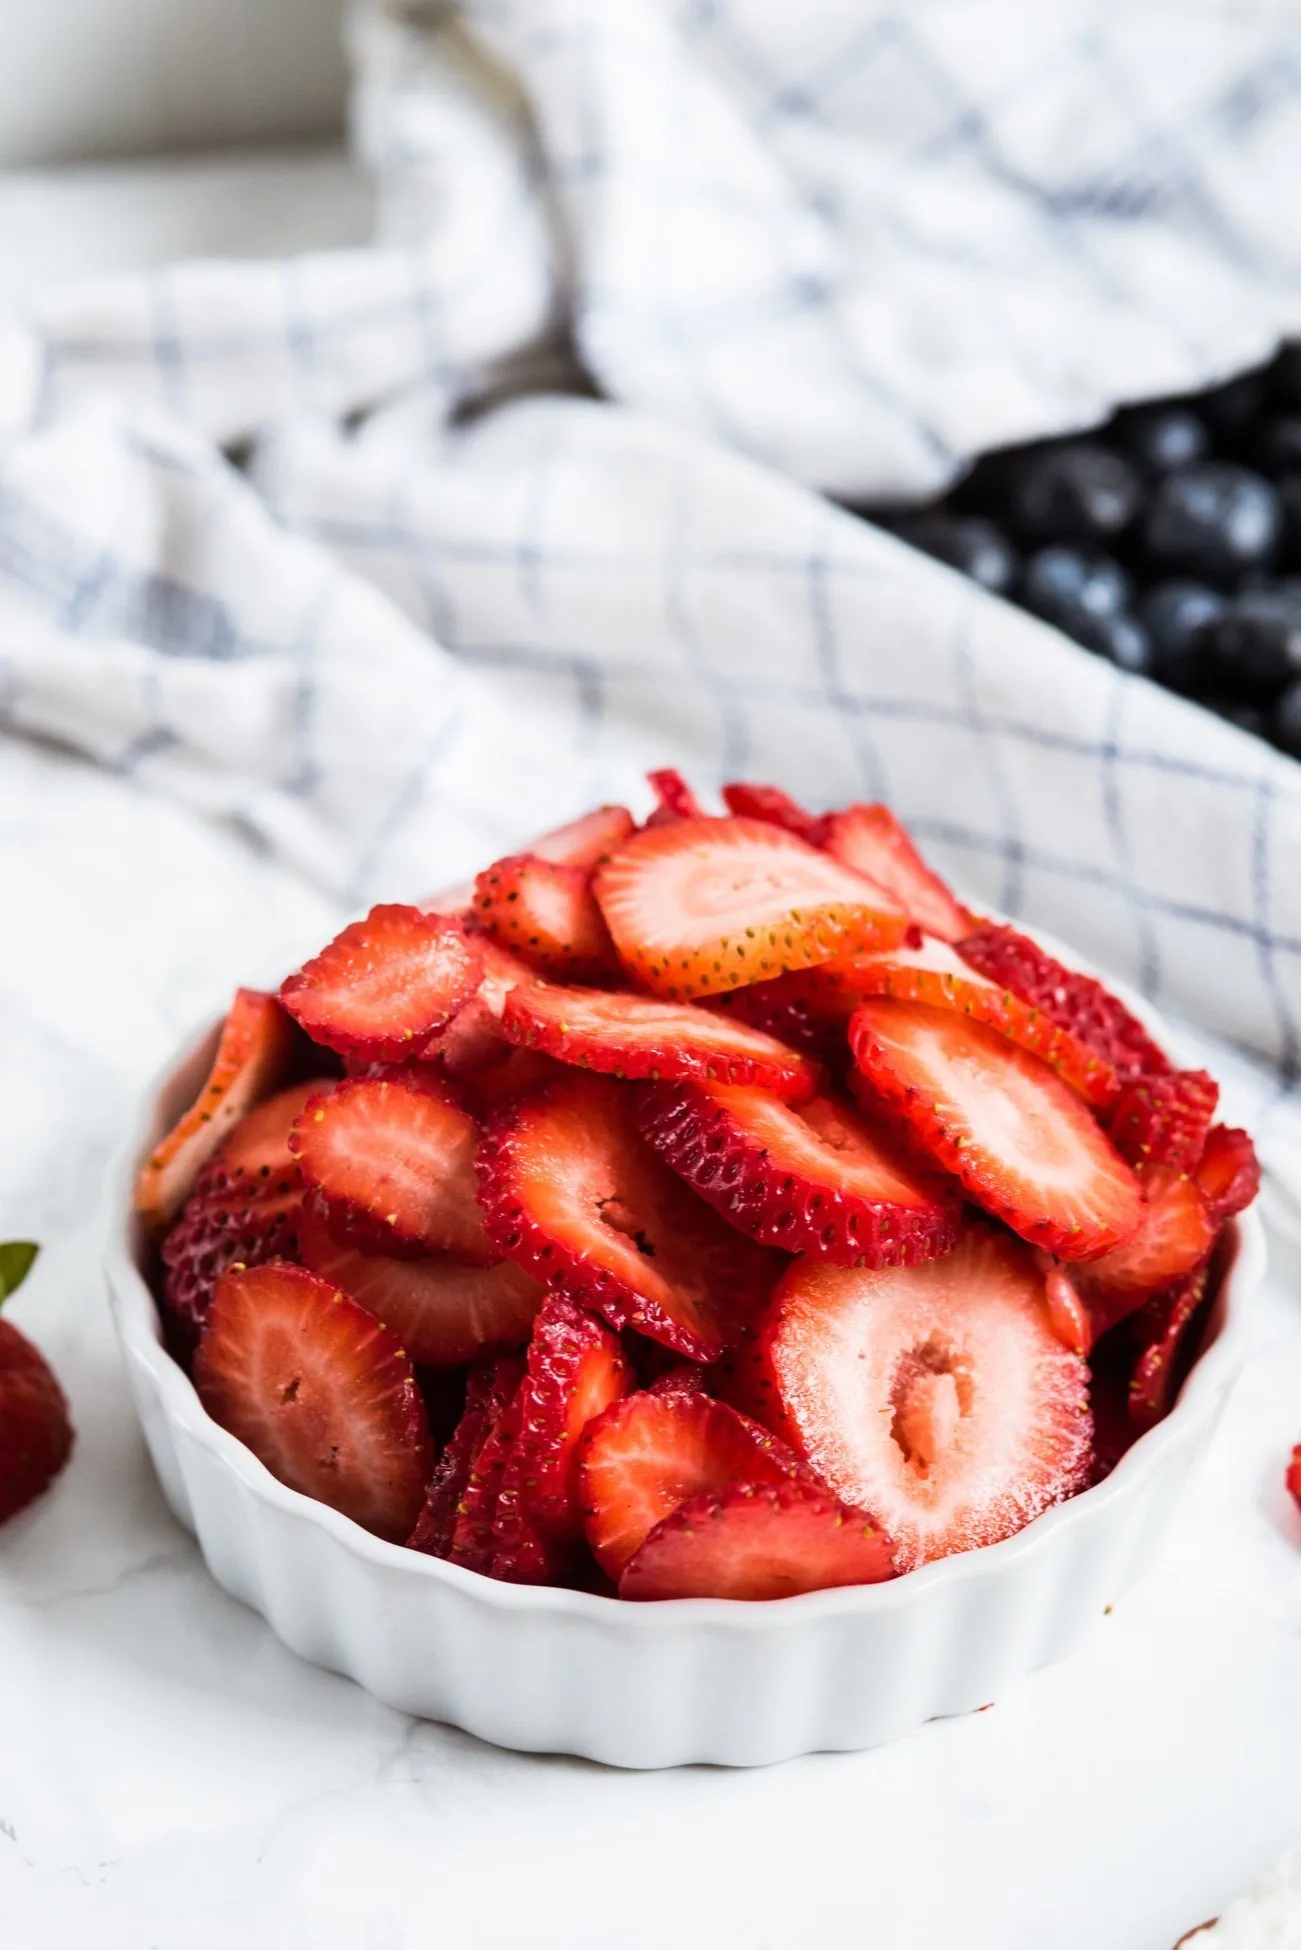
(844, 245)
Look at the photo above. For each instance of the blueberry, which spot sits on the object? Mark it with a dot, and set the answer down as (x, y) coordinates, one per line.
(1175, 615)
(1285, 720)
(1162, 435)
(1285, 374)
(1077, 491)
(1247, 717)
(1255, 646)
(1229, 409)
(1122, 640)
(1073, 586)
(969, 543)
(1289, 494)
(1274, 444)
(1213, 519)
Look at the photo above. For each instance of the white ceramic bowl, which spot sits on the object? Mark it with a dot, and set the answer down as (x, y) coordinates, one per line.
(653, 1685)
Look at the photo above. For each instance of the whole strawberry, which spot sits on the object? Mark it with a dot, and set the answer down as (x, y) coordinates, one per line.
(35, 1432)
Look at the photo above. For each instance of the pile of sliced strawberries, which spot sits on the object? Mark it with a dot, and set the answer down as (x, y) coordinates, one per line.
(706, 1208)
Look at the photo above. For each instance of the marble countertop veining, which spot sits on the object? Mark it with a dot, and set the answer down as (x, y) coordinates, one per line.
(172, 1779)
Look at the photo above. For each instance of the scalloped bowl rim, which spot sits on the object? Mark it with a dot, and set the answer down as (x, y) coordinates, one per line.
(139, 1326)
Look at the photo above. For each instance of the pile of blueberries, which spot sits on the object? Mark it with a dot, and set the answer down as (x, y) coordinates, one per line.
(1169, 542)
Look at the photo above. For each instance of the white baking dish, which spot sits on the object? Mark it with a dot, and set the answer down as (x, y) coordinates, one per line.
(654, 1685)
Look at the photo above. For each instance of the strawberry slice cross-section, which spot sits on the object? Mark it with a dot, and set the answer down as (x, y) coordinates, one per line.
(653, 1450)
(817, 1180)
(489, 1387)
(639, 1036)
(706, 905)
(571, 1191)
(937, 1397)
(246, 1205)
(546, 913)
(443, 1312)
(385, 985)
(757, 1541)
(1075, 1002)
(872, 841)
(391, 1161)
(321, 1393)
(1165, 1120)
(254, 1054)
(936, 975)
(1009, 1130)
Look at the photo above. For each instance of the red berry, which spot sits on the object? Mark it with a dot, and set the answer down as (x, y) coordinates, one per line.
(444, 1313)
(253, 1057)
(1073, 1001)
(1162, 1332)
(637, 1036)
(489, 1388)
(1175, 1234)
(1228, 1172)
(572, 1192)
(706, 905)
(653, 1450)
(936, 1397)
(756, 1541)
(1293, 1477)
(392, 1163)
(674, 798)
(818, 1180)
(871, 840)
(1018, 1140)
(320, 1392)
(771, 803)
(35, 1428)
(385, 985)
(546, 913)
(1164, 1120)
(935, 975)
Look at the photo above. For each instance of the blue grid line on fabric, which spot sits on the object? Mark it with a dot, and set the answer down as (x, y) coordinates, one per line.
(732, 717)
(803, 99)
(834, 690)
(587, 676)
(948, 833)
(1149, 961)
(90, 589)
(168, 345)
(146, 744)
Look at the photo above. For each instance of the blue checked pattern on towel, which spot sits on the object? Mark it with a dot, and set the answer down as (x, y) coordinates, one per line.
(845, 246)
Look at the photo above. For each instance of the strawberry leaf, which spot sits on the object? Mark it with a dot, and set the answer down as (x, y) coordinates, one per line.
(17, 1257)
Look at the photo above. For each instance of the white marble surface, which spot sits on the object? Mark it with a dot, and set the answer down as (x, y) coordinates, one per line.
(170, 1776)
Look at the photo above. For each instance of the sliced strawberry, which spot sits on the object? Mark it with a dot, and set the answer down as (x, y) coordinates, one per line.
(523, 1070)
(35, 1428)
(777, 807)
(574, 1195)
(938, 1397)
(1228, 1172)
(1068, 1312)
(636, 1036)
(1176, 1233)
(529, 1557)
(245, 1208)
(674, 798)
(575, 1369)
(1163, 1331)
(443, 1312)
(706, 905)
(320, 1392)
(1017, 1139)
(386, 984)
(756, 1541)
(1292, 1480)
(253, 1056)
(871, 840)
(489, 1387)
(546, 914)
(1073, 1001)
(392, 1163)
(817, 1180)
(585, 842)
(651, 1451)
(782, 1009)
(1165, 1120)
(935, 975)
